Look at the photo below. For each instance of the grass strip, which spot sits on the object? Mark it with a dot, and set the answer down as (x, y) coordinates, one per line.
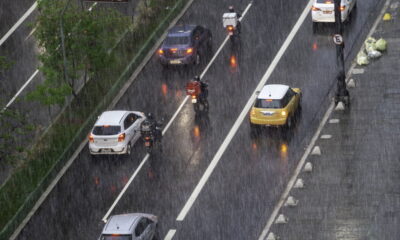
(22, 190)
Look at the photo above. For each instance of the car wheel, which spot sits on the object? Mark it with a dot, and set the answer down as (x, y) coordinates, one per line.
(314, 27)
(289, 123)
(129, 149)
(197, 60)
(254, 130)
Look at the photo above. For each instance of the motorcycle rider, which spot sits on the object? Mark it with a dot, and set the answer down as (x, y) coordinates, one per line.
(155, 129)
(232, 10)
(203, 87)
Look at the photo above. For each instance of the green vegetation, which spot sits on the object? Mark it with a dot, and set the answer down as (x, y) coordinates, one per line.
(4, 64)
(107, 76)
(14, 127)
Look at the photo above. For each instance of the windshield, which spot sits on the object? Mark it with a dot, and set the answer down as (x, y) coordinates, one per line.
(106, 130)
(177, 40)
(116, 237)
(268, 103)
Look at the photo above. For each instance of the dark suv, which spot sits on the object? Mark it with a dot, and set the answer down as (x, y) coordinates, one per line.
(184, 45)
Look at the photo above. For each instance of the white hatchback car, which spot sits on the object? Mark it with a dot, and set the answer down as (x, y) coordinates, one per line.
(324, 10)
(115, 132)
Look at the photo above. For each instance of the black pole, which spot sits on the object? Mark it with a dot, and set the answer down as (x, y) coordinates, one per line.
(342, 95)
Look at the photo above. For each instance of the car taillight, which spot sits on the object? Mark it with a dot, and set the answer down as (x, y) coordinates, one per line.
(230, 28)
(189, 51)
(121, 137)
(160, 52)
(91, 138)
(328, 2)
(147, 138)
(173, 50)
(194, 97)
(315, 9)
(342, 8)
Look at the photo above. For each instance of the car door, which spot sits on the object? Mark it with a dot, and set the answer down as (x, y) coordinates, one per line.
(144, 229)
(136, 125)
(129, 126)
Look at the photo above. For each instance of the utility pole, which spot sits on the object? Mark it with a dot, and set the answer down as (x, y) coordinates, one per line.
(342, 94)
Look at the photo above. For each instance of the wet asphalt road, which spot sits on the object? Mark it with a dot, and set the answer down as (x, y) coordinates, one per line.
(240, 194)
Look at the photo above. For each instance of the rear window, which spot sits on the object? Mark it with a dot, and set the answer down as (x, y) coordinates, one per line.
(116, 237)
(106, 130)
(177, 40)
(268, 103)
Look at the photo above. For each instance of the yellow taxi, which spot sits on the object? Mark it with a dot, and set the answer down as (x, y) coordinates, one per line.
(276, 105)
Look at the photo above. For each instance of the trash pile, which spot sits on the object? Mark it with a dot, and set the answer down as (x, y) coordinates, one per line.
(372, 49)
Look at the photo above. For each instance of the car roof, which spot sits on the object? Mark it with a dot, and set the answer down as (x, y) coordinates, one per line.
(111, 117)
(181, 30)
(273, 91)
(121, 224)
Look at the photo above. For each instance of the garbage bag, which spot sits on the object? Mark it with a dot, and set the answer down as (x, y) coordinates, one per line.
(374, 54)
(381, 45)
(370, 44)
(362, 58)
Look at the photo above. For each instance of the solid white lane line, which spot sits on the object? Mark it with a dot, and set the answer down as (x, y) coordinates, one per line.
(18, 23)
(312, 143)
(125, 187)
(170, 234)
(91, 7)
(164, 131)
(21, 89)
(242, 116)
(175, 115)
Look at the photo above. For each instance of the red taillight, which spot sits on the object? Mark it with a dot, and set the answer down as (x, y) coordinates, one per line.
(194, 97)
(121, 137)
(315, 9)
(91, 138)
(189, 51)
(160, 51)
(147, 138)
(342, 8)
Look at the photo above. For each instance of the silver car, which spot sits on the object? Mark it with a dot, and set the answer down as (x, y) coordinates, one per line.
(115, 132)
(132, 226)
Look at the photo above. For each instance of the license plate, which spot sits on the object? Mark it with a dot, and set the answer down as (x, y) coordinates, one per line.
(175, 62)
(147, 144)
(194, 100)
(327, 12)
(106, 150)
(230, 33)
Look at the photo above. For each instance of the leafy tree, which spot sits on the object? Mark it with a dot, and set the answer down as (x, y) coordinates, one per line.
(88, 35)
(14, 128)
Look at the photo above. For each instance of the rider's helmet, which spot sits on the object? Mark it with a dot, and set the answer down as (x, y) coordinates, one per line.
(231, 9)
(150, 116)
(196, 78)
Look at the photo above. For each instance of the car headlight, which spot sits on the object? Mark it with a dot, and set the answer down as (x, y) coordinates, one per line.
(283, 113)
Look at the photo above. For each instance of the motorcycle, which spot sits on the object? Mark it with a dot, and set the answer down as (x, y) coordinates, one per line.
(198, 96)
(150, 136)
(231, 23)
